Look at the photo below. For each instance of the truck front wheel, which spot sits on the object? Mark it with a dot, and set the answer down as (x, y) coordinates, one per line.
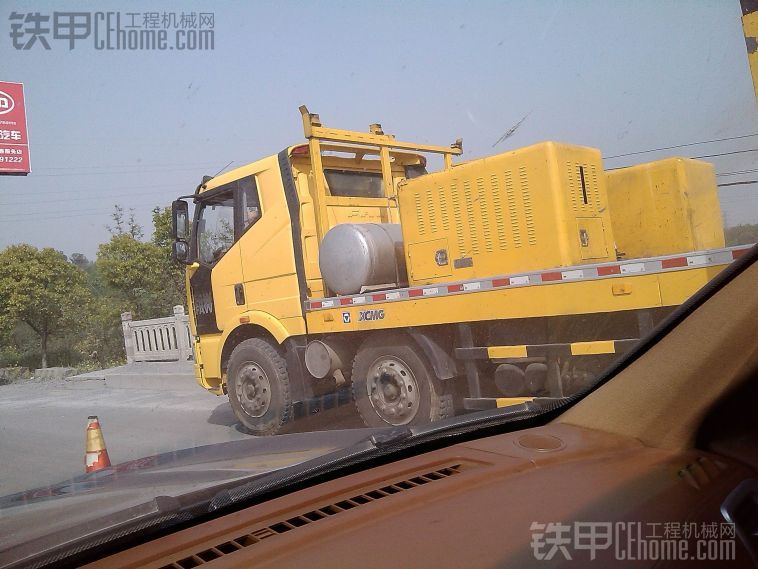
(258, 387)
(393, 384)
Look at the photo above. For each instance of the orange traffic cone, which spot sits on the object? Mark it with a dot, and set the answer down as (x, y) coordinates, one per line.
(95, 454)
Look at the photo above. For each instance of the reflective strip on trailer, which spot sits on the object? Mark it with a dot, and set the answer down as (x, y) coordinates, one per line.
(591, 348)
(484, 403)
(495, 352)
(652, 265)
(508, 401)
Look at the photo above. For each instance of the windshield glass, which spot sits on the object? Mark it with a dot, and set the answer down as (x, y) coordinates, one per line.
(215, 227)
(565, 176)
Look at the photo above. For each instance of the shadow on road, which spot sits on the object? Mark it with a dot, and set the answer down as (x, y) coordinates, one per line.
(343, 417)
(223, 415)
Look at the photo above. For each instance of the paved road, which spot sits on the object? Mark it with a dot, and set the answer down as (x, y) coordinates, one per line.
(42, 425)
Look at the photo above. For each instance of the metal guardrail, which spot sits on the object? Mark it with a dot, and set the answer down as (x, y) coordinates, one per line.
(159, 339)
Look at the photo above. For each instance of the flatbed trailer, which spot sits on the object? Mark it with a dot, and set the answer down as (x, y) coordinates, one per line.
(639, 285)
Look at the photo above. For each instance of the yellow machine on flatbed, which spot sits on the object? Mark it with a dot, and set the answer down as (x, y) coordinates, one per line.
(342, 264)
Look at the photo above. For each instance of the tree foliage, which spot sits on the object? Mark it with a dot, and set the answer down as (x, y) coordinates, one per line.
(68, 311)
(125, 225)
(141, 275)
(745, 234)
(44, 291)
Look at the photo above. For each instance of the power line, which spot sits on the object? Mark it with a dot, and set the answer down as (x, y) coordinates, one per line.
(738, 172)
(103, 192)
(60, 214)
(98, 197)
(726, 153)
(64, 213)
(682, 145)
(744, 183)
(113, 172)
(137, 165)
(26, 220)
(703, 156)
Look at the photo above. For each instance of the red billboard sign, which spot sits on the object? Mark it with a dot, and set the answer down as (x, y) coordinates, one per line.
(14, 143)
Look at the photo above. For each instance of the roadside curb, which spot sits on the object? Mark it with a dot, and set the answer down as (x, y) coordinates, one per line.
(159, 376)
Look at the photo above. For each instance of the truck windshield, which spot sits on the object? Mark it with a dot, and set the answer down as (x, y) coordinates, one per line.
(347, 183)
(215, 227)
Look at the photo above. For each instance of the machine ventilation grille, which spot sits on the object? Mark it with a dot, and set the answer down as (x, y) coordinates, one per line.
(510, 194)
(470, 218)
(458, 218)
(526, 197)
(431, 210)
(420, 221)
(497, 208)
(258, 535)
(443, 208)
(481, 198)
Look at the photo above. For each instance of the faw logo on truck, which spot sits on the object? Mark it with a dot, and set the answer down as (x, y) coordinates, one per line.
(370, 315)
(204, 303)
(7, 103)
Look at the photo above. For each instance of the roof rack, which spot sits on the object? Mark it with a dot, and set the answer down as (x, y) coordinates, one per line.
(316, 133)
(313, 129)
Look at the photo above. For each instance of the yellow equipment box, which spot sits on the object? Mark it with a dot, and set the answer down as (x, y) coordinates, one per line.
(665, 207)
(539, 207)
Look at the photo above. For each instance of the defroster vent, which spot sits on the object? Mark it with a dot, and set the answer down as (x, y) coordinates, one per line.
(292, 523)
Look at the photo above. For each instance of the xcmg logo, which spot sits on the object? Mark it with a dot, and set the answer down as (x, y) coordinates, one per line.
(368, 315)
(6, 103)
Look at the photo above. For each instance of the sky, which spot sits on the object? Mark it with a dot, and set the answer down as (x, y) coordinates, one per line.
(139, 128)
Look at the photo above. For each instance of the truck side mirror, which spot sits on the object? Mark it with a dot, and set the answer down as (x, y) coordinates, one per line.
(180, 252)
(180, 220)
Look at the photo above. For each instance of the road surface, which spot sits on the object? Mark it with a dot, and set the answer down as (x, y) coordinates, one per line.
(42, 425)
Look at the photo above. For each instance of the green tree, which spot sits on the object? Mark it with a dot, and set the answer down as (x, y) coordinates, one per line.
(745, 234)
(141, 275)
(174, 272)
(80, 260)
(162, 228)
(123, 224)
(43, 290)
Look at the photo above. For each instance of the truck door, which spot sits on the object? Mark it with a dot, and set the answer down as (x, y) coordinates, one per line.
(212, 284)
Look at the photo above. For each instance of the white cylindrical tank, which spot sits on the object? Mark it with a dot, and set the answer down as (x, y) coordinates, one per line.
(356, 255)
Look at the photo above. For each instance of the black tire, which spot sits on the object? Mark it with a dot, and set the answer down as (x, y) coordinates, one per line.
(396, 367)
(259, 387)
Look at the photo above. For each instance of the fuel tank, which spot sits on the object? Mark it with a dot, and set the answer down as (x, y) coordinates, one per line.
(357, 255)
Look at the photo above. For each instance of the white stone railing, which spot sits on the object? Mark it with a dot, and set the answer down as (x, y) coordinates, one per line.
(157, 340)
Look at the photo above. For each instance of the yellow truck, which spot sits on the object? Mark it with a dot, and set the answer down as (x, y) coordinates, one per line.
(341, 263)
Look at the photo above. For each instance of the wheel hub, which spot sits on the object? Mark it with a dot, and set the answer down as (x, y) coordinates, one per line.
(393, 391)
(253, 390)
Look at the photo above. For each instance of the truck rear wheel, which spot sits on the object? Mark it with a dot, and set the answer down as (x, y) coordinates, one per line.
(393, 384)
(258, 387)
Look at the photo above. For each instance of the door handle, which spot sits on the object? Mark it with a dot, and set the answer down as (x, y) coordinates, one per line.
(239, 294)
